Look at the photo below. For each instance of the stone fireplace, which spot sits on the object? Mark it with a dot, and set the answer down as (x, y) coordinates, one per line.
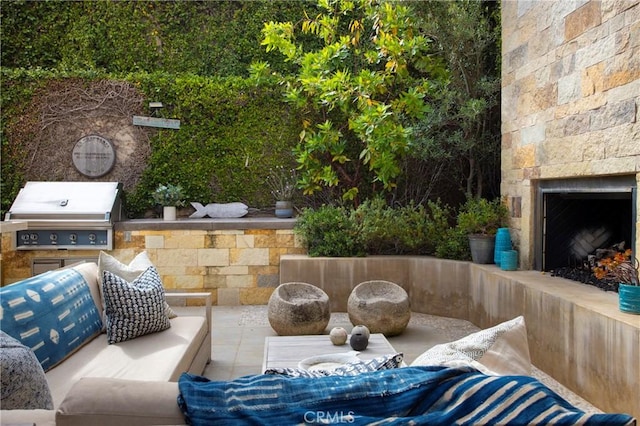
(570, 128)
(575, 217)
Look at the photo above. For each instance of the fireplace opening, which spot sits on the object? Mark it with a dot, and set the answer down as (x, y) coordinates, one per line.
(576, 217)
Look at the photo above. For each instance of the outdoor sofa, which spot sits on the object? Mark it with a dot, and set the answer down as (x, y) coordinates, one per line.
(60, 314)
(436, 395)
(110, 375)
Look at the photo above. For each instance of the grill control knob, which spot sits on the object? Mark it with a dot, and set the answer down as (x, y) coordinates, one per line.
(53, 236)
(92, 237)
(73, 237)
(33, 236)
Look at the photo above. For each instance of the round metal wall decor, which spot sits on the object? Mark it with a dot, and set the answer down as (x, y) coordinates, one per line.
(94, 156)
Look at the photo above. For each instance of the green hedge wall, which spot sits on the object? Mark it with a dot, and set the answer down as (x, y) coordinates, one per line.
(203, 37)
(232, 134)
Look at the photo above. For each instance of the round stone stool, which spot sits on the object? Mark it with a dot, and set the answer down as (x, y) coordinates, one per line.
(298, 308)
(382, 306)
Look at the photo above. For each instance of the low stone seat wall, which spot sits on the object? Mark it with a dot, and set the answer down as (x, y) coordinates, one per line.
(576, 332)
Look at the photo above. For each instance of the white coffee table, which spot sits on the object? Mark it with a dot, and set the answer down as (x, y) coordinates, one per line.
(288, 351)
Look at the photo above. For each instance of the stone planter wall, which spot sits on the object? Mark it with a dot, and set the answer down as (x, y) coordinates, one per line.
(576, 332)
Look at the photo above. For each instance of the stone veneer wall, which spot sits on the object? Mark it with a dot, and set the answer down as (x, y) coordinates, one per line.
(237, 266)
(570, 99)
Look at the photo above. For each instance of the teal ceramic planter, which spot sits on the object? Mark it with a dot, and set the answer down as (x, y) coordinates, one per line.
(503, 243)
(629, 298)
(509, 260)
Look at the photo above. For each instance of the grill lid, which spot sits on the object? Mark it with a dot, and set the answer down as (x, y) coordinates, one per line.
(59, 201)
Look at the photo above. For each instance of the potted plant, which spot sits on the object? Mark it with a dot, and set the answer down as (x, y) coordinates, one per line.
(282, 184)
(622, 269)
(480, 219)
(169, 196)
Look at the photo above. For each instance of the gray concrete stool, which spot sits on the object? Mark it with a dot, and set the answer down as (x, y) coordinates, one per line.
(382, 306)
(298, 308)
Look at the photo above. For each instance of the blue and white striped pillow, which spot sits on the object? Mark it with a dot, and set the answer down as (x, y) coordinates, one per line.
(52, 313)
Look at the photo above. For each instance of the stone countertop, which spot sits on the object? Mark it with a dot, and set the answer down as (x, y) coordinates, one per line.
(206, 224)
(12, 226)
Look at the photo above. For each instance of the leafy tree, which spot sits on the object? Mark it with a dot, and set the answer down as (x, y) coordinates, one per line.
(460, 136)
(370, 75)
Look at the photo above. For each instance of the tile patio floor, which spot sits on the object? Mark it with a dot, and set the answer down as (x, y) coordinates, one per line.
(238, 335)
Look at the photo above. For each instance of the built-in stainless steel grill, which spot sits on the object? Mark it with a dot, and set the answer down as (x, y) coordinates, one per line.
(66, 215)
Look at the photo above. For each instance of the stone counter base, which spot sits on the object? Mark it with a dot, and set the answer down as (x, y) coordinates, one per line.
(236, 260)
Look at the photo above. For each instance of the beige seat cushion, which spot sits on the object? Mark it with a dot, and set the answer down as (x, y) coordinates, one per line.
(28, 417)
(159, 356)
(122, 403)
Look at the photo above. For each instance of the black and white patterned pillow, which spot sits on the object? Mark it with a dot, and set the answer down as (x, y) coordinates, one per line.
(134, 308)
(129, 272)
(384, 362)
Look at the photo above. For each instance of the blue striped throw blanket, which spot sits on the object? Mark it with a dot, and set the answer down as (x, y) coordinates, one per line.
(412, 395)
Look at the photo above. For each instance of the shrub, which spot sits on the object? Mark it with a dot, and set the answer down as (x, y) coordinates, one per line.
(408, 229)
(372, 70)
(377, 229)
(475, 216)
(438, 227)
(454, 245)
(481, 216)
(330, 231)
(380, 227)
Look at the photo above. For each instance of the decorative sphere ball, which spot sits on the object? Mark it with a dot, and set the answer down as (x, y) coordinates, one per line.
(361, 329)
(358, 341)
(338, 336)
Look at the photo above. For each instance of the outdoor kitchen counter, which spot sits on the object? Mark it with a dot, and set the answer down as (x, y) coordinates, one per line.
(206, 224)
(237, 259)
